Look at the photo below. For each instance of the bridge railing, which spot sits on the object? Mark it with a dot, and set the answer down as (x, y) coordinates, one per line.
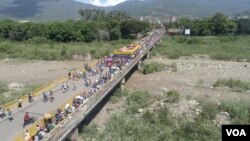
(75, 119)
(72, 120)
(37, 92)
(33, 129)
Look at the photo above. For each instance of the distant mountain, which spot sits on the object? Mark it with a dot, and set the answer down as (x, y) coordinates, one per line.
(41, 10)
(46, 10)
(196, 8)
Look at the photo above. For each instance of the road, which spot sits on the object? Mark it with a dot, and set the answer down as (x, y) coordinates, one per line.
(9, 130)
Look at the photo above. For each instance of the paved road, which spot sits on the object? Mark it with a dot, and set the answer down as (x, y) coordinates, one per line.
(9, 130)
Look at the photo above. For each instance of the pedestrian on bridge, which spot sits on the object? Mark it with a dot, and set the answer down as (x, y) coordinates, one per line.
(45, 97)
(20, 102)
(10, 115)
(1, 112)
(26, 119)
(74, 85)
(51, 97)
(69, 75)
(30, 98)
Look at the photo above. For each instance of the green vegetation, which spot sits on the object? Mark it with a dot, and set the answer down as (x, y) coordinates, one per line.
(138, 100)
(57, 40)
(219, 24)
(152, 67)
(161, 125)
(217, 47)
(110, 28)
(239, 111)
(199, 83)
(8, 95)
(57, 51)
(236, 85)
(173, 66)
(173, 96)
(118, 94)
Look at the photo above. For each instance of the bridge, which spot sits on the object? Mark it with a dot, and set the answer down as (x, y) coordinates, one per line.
(67, 128)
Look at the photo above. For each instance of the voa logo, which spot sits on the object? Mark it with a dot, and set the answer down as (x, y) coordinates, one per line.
(236, 132)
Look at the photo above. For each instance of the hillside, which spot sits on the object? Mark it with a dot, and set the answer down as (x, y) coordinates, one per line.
(41, 10)
(196, 8)
(45, 10)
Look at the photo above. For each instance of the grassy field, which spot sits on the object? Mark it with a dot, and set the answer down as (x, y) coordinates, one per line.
(161, 125)
(47, 50)
(217, 47)
(235, 85)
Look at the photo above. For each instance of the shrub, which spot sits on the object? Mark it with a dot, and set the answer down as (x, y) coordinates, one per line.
(118, 94)
(236, 85)
(152, 67)
(137, 100)
(90, 131)
(173, 96)
(239, 111)
(174, 67)
(175, 54)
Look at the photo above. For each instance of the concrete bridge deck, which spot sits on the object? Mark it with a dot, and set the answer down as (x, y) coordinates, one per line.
(9, 130)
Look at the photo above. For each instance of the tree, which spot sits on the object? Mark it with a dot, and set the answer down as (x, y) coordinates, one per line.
(201, 27)
(221, 25)
(101, 15)
(115, 34)
(243, 26)
(37, 30)
(19, 31)
(89, 32)
(5, 27)
(62, 31)
(130, 28)
(114, 30)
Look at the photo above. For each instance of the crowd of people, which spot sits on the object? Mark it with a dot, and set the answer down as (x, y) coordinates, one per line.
(93, 78)
(105, 69)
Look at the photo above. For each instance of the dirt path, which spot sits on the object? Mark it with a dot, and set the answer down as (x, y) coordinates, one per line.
(34, 72)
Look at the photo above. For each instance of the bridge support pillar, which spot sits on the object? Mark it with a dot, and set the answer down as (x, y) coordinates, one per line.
(148, 55)
(160, 41)
(74, 135)
(122, 83)
(139, 65)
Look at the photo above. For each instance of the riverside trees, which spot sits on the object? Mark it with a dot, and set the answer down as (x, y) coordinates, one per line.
(93, 25)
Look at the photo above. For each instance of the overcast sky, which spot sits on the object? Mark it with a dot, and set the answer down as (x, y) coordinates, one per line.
(102, 2)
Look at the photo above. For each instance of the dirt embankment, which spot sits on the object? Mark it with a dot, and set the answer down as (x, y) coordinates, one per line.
(194, 77)
(34, 72)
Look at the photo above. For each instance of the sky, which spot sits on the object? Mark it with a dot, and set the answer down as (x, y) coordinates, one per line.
(103, 3)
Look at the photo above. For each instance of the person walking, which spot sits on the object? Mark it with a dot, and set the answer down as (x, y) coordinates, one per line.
(45, 97)
(1, 112)
(20, 102)
(74, 85)
(51, 97)
(26, 119)
(30, 98)
(10, 115)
